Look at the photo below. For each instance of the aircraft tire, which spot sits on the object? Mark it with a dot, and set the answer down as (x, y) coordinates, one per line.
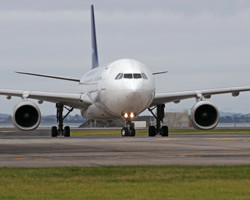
(132, 132)
(67, 131)
(151, 131)
(164, 131)
(54, 131)
(124, 132)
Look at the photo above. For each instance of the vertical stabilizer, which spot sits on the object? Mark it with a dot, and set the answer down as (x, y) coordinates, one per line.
(93, 38)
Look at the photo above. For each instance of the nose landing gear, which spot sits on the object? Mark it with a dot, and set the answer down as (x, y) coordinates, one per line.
(158, 129)
(128, 130)
(60, 130)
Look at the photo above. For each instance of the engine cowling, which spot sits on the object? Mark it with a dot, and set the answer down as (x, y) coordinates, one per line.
(204, 115)
(26, 116)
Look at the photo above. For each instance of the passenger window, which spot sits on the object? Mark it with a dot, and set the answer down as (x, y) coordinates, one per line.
(137, 76)
(144, 76)
(129, 76)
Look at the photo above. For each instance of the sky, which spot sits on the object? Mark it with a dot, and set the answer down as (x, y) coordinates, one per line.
(201, 43)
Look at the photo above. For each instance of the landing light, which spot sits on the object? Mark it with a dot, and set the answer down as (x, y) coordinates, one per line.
(129, 115)
(132, 115)
(125, 115)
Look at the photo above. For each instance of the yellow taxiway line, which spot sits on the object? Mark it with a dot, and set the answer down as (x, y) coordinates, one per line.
(216, 154)
(169, 139)
(7, 131)
(212, 139)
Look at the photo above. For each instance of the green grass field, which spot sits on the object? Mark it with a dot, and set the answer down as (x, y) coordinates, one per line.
(171, 132)
(139, 182)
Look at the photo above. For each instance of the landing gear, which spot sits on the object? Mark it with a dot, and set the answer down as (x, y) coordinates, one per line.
(151, 131)
(164, 131)
(158, 129)
(124, 132)
(66, 131)
(129, 130)
(56, 131)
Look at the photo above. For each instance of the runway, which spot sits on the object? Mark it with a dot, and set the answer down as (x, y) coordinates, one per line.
(38, 149)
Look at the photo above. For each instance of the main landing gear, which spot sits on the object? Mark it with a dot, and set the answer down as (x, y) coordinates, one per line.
(57, 131)
(158, 129)
(128, 130)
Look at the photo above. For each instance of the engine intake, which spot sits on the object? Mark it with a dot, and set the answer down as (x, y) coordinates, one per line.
(26, 116)
(204, 115)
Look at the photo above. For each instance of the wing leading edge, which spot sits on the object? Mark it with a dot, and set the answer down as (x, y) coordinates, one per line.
(72, 100)
(178, 96)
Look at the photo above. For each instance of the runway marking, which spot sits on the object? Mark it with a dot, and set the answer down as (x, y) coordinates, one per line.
(223, 139)
(214, 154)
(169, 139)
(7, 131)
(213, 139)
(19, 158)
(227, 139)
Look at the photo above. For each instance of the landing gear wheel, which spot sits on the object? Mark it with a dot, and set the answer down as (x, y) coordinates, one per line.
(132, 132)
(151, 131)
(54, 131)
(66, 131)
(124, 132)
(159, 116)
(164, 131)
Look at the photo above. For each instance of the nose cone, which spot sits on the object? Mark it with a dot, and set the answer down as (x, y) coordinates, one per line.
(133, 86)
(132, 97)
(134, 100)
(130, 90)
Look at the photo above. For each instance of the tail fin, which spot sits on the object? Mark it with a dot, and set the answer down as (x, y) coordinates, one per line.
(93, 38)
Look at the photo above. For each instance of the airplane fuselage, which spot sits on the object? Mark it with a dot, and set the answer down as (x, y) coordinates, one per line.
(123, 86)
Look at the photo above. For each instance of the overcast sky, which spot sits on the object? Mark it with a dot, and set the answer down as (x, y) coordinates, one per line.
(203, 44)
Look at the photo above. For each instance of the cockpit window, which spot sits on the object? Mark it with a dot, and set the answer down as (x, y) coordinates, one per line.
(137, 76)
(144, 76)
(119, 76)
(129, 76)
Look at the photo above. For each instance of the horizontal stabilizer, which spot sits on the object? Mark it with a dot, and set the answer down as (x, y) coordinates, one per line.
(48, 76)
(156, 73)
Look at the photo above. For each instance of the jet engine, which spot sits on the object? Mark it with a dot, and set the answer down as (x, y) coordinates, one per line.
(26, 116)
(204, 115)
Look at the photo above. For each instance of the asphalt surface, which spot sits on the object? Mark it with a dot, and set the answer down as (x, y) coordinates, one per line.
(38, 149)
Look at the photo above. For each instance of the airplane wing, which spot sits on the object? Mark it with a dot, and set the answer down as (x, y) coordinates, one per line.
(72, 100)
(176, 97)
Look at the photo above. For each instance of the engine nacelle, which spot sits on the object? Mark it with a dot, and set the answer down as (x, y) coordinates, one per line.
(26, 116)
(204, 115)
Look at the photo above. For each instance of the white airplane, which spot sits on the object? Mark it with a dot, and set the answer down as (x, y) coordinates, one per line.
(120, 90)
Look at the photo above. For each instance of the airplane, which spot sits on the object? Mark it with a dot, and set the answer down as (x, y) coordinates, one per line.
(120, 90)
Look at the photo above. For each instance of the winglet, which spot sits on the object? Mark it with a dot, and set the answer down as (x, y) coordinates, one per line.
(93, 39)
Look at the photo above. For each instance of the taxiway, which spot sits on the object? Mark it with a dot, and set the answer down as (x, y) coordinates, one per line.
(38, 149)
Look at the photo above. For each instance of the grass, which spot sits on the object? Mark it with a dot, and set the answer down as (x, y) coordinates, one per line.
(129, 182)
(171, 132)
